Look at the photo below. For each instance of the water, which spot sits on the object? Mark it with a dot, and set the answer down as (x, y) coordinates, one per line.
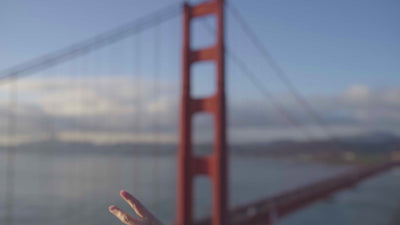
(77, 188)
(373, 202)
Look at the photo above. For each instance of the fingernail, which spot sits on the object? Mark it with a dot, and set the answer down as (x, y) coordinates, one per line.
(112, 208)
(124, 193)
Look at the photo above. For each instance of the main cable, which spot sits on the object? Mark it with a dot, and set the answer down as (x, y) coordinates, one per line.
(91, 44)
(258, 84)
(302, 101)
(266, 93)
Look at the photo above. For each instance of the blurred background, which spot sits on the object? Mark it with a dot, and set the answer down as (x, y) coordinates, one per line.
(313, 91)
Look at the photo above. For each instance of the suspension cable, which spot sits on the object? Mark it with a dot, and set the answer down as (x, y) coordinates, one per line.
(89, 45)
(246, 71)
(300, 99)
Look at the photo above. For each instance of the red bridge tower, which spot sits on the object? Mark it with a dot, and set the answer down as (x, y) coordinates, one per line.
(215, 164)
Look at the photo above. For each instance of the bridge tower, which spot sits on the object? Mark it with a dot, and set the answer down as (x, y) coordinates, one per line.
(214, 165)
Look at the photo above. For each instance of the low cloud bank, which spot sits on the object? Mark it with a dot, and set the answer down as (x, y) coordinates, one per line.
(118, 110)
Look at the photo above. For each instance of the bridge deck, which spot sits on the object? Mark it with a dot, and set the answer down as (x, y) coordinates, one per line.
(267, 211)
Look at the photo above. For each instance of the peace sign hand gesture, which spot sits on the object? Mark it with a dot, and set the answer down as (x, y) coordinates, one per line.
(145, 217)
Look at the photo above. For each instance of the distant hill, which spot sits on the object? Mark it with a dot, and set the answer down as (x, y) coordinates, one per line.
(368, 143)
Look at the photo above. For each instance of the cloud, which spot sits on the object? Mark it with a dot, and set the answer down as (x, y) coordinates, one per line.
(80, 110)
(101, 138)
(357, 93)
(109, 110)
(379, 107)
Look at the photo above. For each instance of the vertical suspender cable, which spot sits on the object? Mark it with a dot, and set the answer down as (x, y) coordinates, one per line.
(167, 13)
(91, 153)
(71, 186)
(11, 154)
(102, 60)
(258, 84)
(138, 110)
(83, 153)
(266, 93)
(156, 88)
(110, 156)
(300, 99)
(51, 184)
(117, 73)
(76, 170)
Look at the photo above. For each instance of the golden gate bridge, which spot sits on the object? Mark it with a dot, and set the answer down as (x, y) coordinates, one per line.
(126, 41)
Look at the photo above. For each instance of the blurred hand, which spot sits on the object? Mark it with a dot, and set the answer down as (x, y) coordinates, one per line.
(145, 217)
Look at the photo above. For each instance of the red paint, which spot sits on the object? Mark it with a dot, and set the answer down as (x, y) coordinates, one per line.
(214, 165)
(269, 210)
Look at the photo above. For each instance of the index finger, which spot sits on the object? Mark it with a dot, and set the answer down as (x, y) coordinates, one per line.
(135, 204)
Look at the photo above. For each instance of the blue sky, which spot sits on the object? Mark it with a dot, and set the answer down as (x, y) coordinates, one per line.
(342, 55)
(324, 46)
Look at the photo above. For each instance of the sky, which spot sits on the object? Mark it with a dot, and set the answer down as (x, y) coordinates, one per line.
(341, 55)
